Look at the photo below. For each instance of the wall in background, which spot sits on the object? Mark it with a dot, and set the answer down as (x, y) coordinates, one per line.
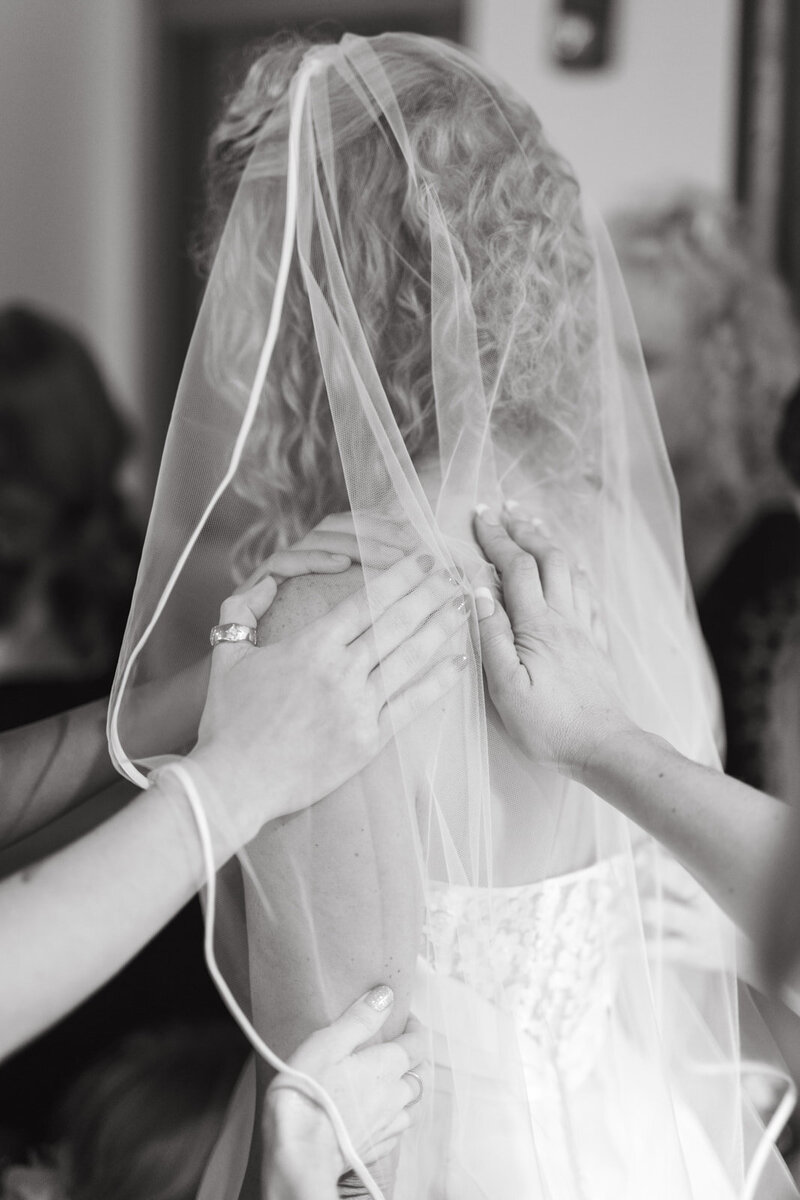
(71, 182)
(661, 113)
(73, 94)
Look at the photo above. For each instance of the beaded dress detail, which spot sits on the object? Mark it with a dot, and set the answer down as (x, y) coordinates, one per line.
(550, 952)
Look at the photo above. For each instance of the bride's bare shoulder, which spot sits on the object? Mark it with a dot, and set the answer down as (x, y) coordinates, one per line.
(305, 598)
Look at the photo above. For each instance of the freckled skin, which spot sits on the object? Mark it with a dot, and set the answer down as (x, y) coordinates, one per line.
(340, 878)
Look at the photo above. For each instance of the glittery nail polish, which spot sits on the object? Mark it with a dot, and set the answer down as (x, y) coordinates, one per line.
(380, 998)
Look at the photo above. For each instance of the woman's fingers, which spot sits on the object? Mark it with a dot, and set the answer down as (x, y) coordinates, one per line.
(498, 651)
(583, 600)
(554, 568)
(354, 615)
(357, 1024)
(392, 1060)
(247, 607)
(379, 1150)
(500, 549)
(335, 543)
(391, 531)
(523, 587)
(436, 599)
(404, 707)
(308, 560)
(400, 667)
(370, 552)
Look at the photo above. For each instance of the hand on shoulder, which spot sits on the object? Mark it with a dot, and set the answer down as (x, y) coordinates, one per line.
(543, 649)
(340, 670)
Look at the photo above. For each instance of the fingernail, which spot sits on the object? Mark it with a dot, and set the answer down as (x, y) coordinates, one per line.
(380, 998)
(462, 603)
(460, 661)
(426, 561)
(343, 559)
(486, 514)
(510, 505)
(484, 603)
(540, 526)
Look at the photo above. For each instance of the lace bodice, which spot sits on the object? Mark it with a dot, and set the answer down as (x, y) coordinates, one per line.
(545, 952)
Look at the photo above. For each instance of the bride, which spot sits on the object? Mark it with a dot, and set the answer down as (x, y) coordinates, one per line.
(411, 310)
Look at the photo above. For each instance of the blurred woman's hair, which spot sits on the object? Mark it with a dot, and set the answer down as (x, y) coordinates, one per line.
(788, 442)
(512, 207)
(141, 1124)
(62, 515)
(698, 246)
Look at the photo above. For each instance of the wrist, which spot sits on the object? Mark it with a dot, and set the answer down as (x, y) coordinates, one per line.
(607, 751)
(301, 1157)
(237, 804)
(292, 1177)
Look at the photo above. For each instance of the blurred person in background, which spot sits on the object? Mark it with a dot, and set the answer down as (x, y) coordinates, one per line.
(69, 551)
(783, 729)
(722, 350)
(455, 354)
(69, 547)
(141, 1122)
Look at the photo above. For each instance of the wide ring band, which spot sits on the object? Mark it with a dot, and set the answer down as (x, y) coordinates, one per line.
(233, 632)
(420, 1087)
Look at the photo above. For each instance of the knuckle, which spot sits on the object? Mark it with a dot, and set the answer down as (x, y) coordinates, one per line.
(409, 657)
(358, 658)
(522, 565)
(366, 741)
(397, 626)
(557, 560)
(231, 610)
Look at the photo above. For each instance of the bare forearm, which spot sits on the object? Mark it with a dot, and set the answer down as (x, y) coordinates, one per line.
(54, 765)
(724, 832)
(51, 766)
(68, 924)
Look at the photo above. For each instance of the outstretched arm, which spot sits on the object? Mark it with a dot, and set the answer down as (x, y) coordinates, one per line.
(50, 766)
(54, 765)
(297, 714)
(556, 693)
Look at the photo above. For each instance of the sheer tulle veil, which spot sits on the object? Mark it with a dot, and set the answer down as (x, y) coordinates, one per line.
(411, 309)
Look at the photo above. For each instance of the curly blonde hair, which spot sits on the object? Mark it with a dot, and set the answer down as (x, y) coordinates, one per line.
(512, 209)
(746, 337)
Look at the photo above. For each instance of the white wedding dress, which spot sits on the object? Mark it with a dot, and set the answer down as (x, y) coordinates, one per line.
(406, 268)
(550, 951)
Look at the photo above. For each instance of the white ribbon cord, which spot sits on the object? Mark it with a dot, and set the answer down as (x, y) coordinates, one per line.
(769, 1137)
(772, 1131)
(348, 1150)
(311, 64)
(758, 1162)
(775, 1125)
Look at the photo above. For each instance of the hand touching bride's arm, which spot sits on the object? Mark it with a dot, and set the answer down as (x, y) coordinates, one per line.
(556, 694)
(54, 765)
(283, 725)
(341, 880)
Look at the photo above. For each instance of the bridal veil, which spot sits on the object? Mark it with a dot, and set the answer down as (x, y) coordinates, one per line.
(413, 309)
